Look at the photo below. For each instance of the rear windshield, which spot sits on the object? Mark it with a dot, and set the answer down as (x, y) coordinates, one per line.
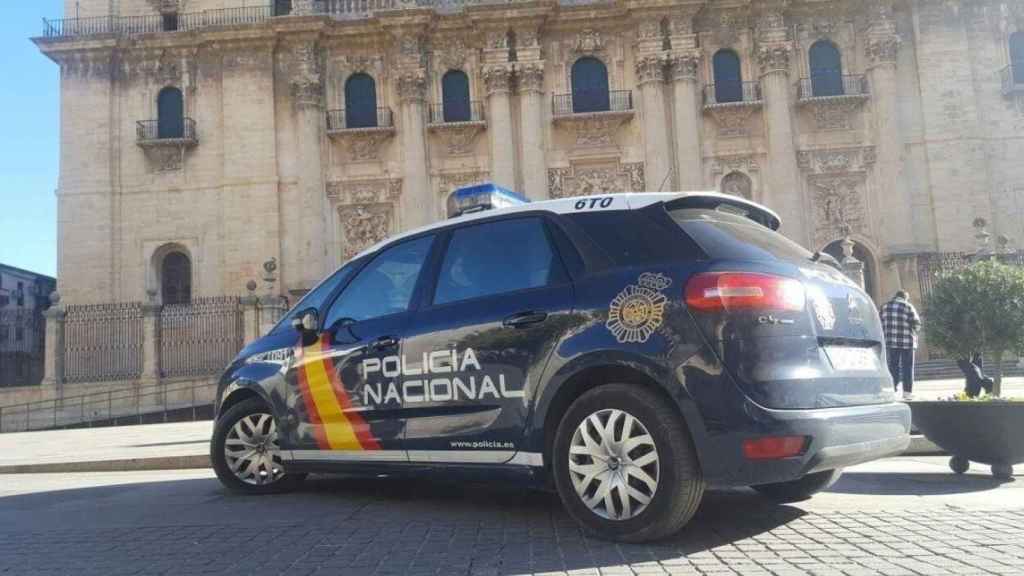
(729, 236)
(629, 237)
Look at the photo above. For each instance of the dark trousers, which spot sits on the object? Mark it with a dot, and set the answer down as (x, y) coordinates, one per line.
(901, 366)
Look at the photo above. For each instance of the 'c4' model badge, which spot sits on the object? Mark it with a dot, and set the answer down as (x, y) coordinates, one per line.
(638, 310)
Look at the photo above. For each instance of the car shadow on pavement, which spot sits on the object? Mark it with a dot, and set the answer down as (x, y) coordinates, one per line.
(913, 483)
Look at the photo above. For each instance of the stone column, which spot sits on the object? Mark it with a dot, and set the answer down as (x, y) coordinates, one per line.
(894, 204)
(688, 122)
(531, 129)
(271, 310)
(307, 97)
(150, 343)
(853, 268)
(497, 79)
(53, 355)
(250, 318)
(650, 74)
(416, 204)
(783, 190)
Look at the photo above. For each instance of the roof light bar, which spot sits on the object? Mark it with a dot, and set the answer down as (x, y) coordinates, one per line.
(480, 197)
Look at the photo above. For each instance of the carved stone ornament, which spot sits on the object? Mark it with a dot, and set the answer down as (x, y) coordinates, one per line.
(588, 41)
(168, 6)
(725, 24)
(588, 180)
(732, 121)
(410, 45)
(530, 77)
(307, 89)
(458, 138)
(838, 204)
(651, 68)
(836, 160)
(595, 129)
(684, 65)
(167, 68)
(774, 58)
(370, 191)
(363, 225)
(882, 49)
(739, 163)
(497, 78)
(163, 159)
(451, 53)
(412, 85)
(363, 144)
(738, 184)
(97, 64)
(834, 113)
(355, 63)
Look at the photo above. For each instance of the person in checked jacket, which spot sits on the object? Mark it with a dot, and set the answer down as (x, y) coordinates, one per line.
(901, 323)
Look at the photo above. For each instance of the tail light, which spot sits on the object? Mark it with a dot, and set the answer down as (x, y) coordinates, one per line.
(773, 447)
(732, 291)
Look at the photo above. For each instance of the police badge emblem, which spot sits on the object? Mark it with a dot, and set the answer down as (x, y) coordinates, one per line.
(823, 309)
(638, 311)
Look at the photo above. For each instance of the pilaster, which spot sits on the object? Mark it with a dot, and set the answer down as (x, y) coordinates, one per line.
(683, 65)
(53, 355)
(650, 74)
(533, 167)
(497, 80)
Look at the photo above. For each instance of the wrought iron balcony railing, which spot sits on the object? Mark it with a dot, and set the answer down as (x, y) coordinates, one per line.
(352, 119)
(155, 132)
(732, 93)
(832, 86)
(1013, 79)
(588, 102)
(456, 112)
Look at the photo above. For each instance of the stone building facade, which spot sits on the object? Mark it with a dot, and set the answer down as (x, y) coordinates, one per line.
(919, 132)
(24, 296)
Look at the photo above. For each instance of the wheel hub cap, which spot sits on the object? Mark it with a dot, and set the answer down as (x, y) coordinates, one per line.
(252, 452)
(613, 464)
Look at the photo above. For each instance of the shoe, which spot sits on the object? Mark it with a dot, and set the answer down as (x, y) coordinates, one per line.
(907, 396)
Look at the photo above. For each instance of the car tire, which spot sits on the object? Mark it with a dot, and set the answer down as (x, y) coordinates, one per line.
(801, 488)
(655, 428)
(241, 428)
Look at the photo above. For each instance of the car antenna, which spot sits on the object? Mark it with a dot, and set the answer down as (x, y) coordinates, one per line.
(667, 174)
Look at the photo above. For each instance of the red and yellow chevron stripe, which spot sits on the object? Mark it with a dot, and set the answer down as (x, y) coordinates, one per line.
(335, 425)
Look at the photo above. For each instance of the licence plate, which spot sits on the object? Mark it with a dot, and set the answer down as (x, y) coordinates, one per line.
(852, 359)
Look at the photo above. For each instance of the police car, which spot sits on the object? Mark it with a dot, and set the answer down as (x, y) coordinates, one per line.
(627, 350)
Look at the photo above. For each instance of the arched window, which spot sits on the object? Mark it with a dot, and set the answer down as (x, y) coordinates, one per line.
(1017, 57)
(455, 96)
(590, 86)
(360, 101)
(826, 69)
(170, 113)
(282, 7)
(728, 77)
(737, 184)
(175, 278)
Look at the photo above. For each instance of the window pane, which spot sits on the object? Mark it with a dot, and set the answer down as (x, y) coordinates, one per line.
(496, 258)
(590, 86)
(385, 285)
(728, 77)
(455, 97)
(316, 297)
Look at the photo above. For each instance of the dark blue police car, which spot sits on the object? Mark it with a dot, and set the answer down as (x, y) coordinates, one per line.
(628, 350)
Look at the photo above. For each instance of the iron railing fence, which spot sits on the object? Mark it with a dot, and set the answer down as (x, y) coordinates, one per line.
(581, 103)
(150, 130)
(200, 337)
(356, 9)
(933, 265)
(1013, 78)
(103, 342)
(828, 85)
(177, 402)
(455, 112)
(341, 120)
(732, 93)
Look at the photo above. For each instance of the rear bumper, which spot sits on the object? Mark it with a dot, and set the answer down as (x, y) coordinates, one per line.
(839, 437)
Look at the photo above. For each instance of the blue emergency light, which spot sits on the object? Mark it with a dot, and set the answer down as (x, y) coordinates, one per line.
(480, 197)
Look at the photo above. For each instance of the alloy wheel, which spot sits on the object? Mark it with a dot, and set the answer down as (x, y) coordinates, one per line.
(613, 464)
(252, 451)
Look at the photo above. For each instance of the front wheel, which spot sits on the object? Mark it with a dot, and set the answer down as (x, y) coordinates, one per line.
(624, 465)
(801, 488)
(245, 453)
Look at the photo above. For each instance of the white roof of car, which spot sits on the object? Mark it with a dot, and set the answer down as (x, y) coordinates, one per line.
(601, 203)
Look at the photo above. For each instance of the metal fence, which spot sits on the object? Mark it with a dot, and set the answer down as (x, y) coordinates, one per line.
(200, 337)
(149, 130)
(456, 112)
(732, 93)
(595, 101)
(827, 85)
(931, 266)
(103, 342)
(338, 120)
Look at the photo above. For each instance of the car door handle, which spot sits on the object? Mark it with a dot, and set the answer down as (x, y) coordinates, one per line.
(383, 343)
(522, 319)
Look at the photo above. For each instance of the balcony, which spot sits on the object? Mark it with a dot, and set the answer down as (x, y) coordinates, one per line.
(362, 133)
(1013, 79)
(156, 134)
(456, 113)
(612, 102)
(457, 124)
(732, 94)
(853, 86)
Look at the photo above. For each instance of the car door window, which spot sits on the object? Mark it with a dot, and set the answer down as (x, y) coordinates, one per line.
(495, 258)
(316, 297)
(385, 286)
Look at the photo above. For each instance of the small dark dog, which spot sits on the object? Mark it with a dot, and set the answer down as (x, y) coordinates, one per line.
(976, 379)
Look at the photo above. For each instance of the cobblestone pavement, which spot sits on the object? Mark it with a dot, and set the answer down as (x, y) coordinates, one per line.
(183, 523)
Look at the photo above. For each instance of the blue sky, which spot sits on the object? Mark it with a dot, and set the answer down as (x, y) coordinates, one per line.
(29, 140)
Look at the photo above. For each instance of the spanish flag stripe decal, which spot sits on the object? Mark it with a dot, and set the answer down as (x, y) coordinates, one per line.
(314, 415)
(331, 412)
(359, 426)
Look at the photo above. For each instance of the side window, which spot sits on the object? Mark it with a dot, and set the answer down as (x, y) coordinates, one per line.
(316, 297)
(496, 258)
(384, 286)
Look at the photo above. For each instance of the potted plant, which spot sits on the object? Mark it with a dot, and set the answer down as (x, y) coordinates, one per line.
(978, 309)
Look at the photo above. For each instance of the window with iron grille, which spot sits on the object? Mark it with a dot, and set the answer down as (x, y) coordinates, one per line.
(170, 106)
(826, 69)
(455, 97)
(360, 101)
(728, 77)
(590, 86)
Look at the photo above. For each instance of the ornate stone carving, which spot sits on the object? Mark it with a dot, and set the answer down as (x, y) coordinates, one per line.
(410, 45)
(412, 85)
(98, 65)
(738, 184)
(355, 63)
(834, 113)
(774, 58)
(732, 120)
(596, 129)
(648, 29)
(838, 206)
(836, 160)
(650, 69)
(168, 6)
(497, 78)
(451, 53)
(167, 68)
(739, 163)
(458, 138)
(595, 179)
(883, 49)
(163, 159)
(588, 41)
(307, 89)
(530, 77)
(364, 144)
(684, 65)
(369, 191)
(363, 225)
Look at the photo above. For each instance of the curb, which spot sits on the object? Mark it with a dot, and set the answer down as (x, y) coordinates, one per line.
(193, 461)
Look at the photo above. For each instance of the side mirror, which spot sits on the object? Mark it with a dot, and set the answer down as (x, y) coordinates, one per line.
(308, 322)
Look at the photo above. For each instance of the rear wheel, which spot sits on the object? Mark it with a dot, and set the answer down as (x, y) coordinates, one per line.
(800, 489)
(245, 452)
(624, 465)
